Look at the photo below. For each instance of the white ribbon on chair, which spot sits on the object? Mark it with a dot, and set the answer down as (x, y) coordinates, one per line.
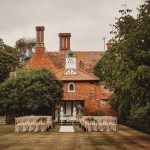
(99, 123)
(33, 123)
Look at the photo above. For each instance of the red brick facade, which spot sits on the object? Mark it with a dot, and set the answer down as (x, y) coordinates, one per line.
(90, 92)
(86, 84)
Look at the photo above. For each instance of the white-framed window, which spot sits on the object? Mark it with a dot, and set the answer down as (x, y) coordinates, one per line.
(71, 87)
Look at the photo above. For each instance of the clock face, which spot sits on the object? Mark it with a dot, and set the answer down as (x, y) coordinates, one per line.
(70, 63)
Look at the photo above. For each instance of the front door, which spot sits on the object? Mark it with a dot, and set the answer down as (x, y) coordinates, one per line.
(69, 105)
(68, 108)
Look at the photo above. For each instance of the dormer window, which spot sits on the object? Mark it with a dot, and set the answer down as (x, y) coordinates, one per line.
(71, 87)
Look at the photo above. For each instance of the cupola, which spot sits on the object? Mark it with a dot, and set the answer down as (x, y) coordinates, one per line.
(70, 61)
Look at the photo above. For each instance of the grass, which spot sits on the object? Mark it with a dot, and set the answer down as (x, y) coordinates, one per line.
(124, 139)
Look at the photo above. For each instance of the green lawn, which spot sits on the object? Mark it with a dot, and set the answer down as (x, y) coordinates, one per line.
(124, 139)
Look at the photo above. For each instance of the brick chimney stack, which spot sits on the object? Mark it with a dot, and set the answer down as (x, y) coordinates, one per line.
(64, 39)
(40, 49)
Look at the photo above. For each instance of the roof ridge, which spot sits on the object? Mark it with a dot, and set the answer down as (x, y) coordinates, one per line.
(74, 51)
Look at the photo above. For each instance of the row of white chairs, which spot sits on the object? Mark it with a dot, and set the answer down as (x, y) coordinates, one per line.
(98, 123)
(33, 123)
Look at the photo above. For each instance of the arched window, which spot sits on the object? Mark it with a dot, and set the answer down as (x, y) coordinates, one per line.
(71, 87)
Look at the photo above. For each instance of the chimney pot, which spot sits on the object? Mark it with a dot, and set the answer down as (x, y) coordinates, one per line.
(40, 36)
(40, 49)
(64, 39)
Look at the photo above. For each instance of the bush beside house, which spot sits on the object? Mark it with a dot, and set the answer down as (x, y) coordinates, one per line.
(30, 92)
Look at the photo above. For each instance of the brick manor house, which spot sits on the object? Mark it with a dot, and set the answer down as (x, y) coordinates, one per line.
(75, 70)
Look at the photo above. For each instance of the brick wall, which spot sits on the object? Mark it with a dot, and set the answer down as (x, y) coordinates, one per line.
(91, 93)
(40, 60)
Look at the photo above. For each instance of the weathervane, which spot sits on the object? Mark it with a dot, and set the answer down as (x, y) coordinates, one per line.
(104, 38)
(125, 7)
(125, 10)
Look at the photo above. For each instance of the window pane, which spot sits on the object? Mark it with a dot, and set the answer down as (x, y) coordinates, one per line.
(71, 87)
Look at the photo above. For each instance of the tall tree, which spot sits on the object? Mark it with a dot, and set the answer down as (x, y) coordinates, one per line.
(25, 48)
(8, 60)
(125, 68)
(30, 92)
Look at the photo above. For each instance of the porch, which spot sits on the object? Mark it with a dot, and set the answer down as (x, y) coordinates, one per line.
(68, 105)
(69, 108)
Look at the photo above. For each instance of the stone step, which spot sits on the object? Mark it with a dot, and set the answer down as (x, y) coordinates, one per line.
(2, 120)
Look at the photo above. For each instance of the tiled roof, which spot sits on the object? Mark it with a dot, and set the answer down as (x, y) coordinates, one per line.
(85, 59)
(80, 76)
(55, 61)
(58, 58)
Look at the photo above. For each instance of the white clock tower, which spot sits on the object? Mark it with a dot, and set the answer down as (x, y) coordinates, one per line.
(70, 65)
(70, 61)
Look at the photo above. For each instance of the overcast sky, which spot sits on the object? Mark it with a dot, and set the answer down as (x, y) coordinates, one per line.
(87, 20)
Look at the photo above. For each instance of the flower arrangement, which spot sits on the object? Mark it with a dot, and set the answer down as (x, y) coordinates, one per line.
(91, 119)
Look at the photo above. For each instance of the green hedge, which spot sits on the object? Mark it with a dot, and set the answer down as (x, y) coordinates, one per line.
(140, 118)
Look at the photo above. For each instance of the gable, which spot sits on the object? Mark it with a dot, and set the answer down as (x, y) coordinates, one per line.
(79, 76)
(70, 72)
(40, 60)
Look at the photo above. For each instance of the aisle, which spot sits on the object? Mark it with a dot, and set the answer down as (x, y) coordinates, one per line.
(66, 129)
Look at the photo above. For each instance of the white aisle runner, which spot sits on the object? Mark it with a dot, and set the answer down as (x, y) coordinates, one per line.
(66, 129)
